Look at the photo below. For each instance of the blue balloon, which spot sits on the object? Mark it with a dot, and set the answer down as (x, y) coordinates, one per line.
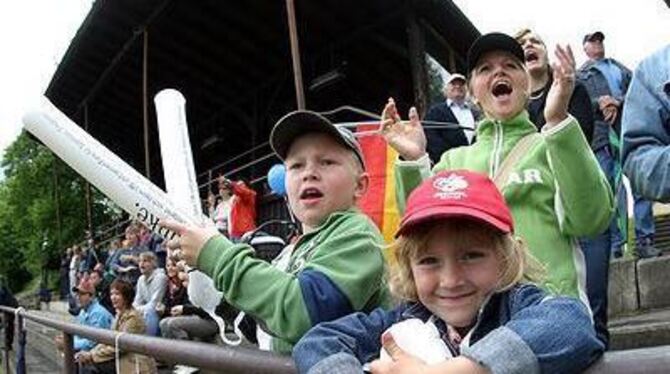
(276, 179)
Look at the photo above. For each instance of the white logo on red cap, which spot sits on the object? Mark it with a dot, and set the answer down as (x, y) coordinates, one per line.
(451, 187)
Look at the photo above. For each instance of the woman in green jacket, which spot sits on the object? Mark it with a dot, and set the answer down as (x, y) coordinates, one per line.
(554, 186)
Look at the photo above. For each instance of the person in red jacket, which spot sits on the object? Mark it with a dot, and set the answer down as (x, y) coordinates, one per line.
(235, 214)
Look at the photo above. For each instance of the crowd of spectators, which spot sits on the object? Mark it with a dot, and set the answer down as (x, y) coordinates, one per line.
(562, 197)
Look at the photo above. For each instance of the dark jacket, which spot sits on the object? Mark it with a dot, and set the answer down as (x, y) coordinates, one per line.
(441, 140)
(579, 107)
(596, 85)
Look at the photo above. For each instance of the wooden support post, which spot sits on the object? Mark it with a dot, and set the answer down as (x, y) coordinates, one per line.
(87, 187)
(145, 104)
(69, 366)
(417, 59)
(295, 54)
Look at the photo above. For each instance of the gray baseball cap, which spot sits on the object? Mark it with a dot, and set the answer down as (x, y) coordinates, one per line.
(301, 122)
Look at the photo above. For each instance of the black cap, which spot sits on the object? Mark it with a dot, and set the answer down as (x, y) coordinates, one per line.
(597, 35)
(494, 41)
(301, 122)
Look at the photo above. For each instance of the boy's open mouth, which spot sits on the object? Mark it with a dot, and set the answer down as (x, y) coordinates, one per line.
(501, 89)
(311, 193)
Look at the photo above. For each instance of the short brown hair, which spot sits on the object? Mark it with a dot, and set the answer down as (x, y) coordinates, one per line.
(517, 264)
(126, 290)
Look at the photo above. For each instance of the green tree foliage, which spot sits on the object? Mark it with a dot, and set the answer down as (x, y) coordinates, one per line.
(35, 229)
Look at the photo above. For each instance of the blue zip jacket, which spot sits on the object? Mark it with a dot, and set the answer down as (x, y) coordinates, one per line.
(521, 330)
(95, 315)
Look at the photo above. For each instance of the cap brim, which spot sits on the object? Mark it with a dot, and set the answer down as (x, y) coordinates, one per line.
(455, 77)
(297, 123)
(77, 290)
(494, 41)
(438, 212)
(301, 122)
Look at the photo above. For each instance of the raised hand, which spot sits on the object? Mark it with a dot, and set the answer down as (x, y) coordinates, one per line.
(558, 98)
(407, 138)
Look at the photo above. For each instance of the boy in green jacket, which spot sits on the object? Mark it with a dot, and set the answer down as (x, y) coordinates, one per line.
(335, 268)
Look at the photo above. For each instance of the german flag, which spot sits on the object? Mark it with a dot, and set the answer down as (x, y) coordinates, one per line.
(379, 203)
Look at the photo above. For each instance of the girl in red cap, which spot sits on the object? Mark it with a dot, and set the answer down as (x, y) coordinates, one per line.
(469, 304)
(550, 179)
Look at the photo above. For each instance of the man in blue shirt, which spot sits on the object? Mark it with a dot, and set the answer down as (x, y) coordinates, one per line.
(606, 81)
(91, 314)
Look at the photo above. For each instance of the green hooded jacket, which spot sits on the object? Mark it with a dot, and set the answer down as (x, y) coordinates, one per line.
(556, 192)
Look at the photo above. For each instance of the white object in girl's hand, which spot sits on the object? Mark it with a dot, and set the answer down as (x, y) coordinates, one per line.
(421, 340)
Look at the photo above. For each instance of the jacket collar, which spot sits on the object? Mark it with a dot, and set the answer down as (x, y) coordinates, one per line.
(488, 317)
(518, 126)
(331, 218)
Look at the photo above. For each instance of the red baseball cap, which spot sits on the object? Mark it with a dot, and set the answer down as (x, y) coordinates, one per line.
(457, 193)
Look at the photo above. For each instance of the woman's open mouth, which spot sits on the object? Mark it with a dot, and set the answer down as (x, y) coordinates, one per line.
(531, 56)
(502, 89)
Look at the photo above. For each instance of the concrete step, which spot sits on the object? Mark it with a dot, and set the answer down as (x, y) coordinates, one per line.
(648, 329)
(638, 285)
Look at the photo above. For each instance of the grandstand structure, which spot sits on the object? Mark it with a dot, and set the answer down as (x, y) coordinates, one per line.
(241, 66)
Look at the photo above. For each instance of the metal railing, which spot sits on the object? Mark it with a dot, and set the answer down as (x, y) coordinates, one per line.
(205, 356)
(655, 360)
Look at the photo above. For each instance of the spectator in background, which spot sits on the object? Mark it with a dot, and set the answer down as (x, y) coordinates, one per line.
(185, 321)
(607, 81)
(597, 251)
(101, 288)
(126, 263)
(235, 214)
(101, 359)
(152, 242)
(176, 293)
(8, 299)
(113, 252)
(541, 79)
(221, 212)
(646, 127)
(64, 278)
(92, 314)
(151, 287)
(73, 275)
(455, 111)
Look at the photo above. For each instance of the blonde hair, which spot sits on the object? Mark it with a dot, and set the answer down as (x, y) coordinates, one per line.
(517, 265)
(525, 31)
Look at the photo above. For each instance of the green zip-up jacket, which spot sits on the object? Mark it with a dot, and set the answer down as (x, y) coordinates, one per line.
(556, 192)
(331, 272)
